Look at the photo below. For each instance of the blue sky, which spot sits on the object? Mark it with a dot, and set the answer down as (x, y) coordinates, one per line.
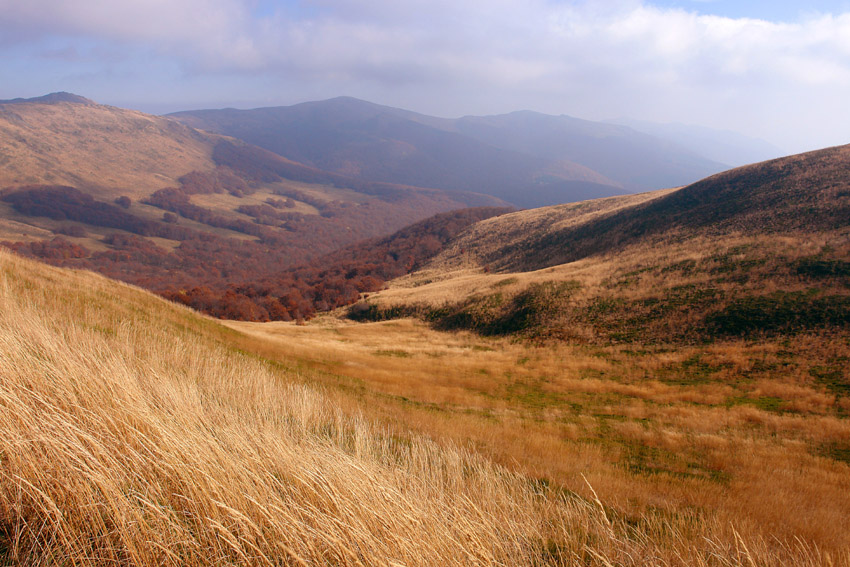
(776, 11)
(775, 70)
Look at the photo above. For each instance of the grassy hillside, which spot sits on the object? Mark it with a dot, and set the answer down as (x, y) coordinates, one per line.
(156, 203)
(760, 250)
(102, 149)
(806, 192)
(134, 432)
(685, 351)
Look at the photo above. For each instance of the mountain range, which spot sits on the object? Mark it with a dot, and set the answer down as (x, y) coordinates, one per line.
(525, 158)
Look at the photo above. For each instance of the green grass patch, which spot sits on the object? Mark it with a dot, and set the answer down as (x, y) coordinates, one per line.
(780, 312)
(764, 403)
(833, 376)
(835, 451)
(690, 372)
(397, 353)
(506, 281)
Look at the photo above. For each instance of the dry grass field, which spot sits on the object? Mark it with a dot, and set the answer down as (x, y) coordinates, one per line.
(134, 432)
(697, 376)
(735, 433)
(660, 380)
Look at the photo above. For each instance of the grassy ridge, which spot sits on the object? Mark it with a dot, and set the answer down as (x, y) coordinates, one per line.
(802, 193)
(695, 291)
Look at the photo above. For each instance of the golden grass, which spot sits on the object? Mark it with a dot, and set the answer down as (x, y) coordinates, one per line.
(644, 428)
(96, 146)
(131, 433)
(752, 433)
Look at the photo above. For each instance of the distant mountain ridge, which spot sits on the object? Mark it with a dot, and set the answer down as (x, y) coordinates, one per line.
(525, 158)
(723, 146)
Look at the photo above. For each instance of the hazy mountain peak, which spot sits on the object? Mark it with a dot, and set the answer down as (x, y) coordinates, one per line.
(52, 98)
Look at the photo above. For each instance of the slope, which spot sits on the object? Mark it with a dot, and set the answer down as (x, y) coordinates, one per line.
(133, 433)
(680, 350)
(139, 433)
(156, 203)
(760, 250)
(105, 150)
(809, 191)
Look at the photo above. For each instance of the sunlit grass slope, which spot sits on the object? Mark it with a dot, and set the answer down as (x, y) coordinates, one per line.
(132, 434)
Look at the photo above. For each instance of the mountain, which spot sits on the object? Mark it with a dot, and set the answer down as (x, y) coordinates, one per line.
(636, 161)
(724, 146)
(525, 158)
(760, 249)
(51, 98)
(151, 201)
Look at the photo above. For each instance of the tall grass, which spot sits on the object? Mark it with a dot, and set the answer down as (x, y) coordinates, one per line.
(131, 434)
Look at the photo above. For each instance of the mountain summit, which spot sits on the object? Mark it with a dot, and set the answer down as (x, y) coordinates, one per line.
(52, 98)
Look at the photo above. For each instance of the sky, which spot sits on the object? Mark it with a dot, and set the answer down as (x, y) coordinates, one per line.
(775, 70)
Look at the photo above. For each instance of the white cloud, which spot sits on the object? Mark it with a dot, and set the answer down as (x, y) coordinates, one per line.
(593, 59)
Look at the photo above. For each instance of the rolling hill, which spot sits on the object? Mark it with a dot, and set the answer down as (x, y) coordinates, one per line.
(525, 158)
(137, 432)
(639, 367)
(151, 201)
(758, 249)
(795, 194)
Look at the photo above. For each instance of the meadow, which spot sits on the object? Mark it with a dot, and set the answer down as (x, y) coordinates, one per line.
(703, 378)
(135, 432)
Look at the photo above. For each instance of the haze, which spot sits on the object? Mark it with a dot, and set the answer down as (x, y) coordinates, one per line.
(770, 70)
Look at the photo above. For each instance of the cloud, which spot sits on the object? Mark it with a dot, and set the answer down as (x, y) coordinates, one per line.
(592, 59)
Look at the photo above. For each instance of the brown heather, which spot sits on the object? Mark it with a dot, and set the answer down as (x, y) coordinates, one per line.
(133, 432)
